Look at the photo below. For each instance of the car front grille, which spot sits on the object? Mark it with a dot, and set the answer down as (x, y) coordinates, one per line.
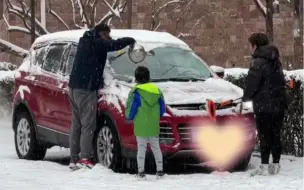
(166, 135)
(201, 106)
(185, 133)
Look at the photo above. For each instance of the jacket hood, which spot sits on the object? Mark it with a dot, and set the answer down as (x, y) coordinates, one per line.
(91, 33)
(149, 93)
(269, 52)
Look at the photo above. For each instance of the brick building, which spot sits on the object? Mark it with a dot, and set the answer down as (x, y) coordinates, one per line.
(219, 36)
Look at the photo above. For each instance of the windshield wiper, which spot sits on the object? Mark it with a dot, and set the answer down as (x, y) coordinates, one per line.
(178, 79)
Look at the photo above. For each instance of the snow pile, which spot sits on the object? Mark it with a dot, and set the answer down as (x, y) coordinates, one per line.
(53, 173)
(7, 76)
(217, 69)
(240, 72)
(296, 74)
(6, 66)
(236, 72)
(7, 72)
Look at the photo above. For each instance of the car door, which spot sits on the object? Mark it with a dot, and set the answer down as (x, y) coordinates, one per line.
(50, 93)
(35, 78)
(67, 68)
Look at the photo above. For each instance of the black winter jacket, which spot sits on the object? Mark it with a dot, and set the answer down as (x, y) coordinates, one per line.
(90, 60)
(265, 84)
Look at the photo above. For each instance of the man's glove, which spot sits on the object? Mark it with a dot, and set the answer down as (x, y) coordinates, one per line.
(130, 41)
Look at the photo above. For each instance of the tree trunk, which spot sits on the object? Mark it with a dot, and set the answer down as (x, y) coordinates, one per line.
(269, 19)
(33, 29)
(298, 40)
(129, 5)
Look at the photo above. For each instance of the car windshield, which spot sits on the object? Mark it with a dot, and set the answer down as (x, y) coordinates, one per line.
(167, 63)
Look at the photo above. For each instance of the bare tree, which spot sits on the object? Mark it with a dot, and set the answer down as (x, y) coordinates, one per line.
(267, 12)
(298, 29)
(297, 5)
(197, 23)
(183, 14)
(88, 14)
(157, 9)
(83, 9)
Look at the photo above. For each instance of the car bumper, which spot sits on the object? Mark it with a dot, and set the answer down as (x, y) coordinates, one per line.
(176, 143)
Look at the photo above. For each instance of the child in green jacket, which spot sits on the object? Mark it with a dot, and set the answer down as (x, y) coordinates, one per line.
(145, 106)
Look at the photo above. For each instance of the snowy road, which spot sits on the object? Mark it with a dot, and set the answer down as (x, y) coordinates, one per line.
(49, 175)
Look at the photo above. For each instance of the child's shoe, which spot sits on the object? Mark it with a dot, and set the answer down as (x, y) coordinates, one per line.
(141, 175)
(160, 174)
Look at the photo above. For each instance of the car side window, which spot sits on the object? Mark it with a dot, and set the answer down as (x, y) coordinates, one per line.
(52, 62)
(39, 58)
(70, 59)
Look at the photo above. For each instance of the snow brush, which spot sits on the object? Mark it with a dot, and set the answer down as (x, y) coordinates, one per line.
(212, 106)
(227, 103)
(290, 83)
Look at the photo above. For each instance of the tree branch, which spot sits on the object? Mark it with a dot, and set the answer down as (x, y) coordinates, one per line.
(183, 12)
(12, 49)
(53, 13)
(261, 7)
(114, 10)
(156, 12)
(93, 11)
(15, 28)
(74, 15)
(25, 14)
(113, 7)
(195, 25)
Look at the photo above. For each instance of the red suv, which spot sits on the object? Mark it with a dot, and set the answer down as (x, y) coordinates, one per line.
(42, 114)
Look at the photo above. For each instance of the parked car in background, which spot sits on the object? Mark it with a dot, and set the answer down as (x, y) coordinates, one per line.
(42, 113)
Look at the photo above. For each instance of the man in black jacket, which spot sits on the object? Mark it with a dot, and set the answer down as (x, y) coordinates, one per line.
(85, 80)
(266, 88)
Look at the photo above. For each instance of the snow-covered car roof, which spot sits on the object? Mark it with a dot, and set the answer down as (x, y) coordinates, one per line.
(149, 39)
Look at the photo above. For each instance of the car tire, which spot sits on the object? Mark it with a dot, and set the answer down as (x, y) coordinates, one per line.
(26, 144)
(107, 149)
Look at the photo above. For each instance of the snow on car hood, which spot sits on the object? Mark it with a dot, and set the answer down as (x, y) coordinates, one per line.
(175, 93)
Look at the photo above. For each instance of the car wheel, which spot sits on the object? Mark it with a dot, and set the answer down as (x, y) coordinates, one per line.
(26, 144)
(107, 146)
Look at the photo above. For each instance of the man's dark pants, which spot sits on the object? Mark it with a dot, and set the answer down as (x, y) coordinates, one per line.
(84, 110)
(269, 127)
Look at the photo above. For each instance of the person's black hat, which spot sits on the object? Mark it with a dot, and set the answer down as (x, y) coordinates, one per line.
(102, 28)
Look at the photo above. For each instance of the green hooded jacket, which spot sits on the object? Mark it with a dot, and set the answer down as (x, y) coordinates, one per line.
(145, 106)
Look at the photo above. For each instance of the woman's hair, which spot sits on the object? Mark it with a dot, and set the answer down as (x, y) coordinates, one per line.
(258, 39)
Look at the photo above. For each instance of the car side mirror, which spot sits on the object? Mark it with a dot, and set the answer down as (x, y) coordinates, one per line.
(220, 71)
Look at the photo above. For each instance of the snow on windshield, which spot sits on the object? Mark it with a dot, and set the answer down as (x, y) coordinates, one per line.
(168, 62)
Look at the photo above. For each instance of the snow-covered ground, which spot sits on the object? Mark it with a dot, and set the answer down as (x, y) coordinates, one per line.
(52, 174)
